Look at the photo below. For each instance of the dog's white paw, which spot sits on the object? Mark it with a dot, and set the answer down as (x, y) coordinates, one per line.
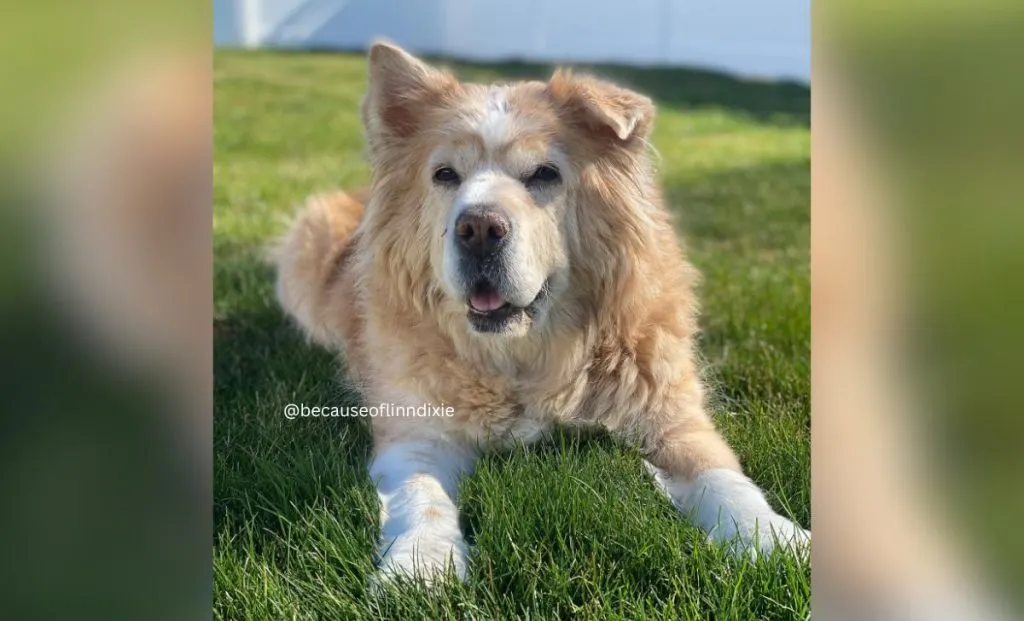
(425, 560)
(420, 540)
(763, 535)
(733, 511)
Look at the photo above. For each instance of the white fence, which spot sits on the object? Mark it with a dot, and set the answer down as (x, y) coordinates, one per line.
(757, 38)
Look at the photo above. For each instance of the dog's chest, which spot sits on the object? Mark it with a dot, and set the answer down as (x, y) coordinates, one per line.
(553, 400)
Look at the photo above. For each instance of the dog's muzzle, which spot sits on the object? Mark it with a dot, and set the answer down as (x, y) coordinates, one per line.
(483, 236)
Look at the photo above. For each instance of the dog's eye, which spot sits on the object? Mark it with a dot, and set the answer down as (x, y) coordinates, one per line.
(446, 175)
(544, 174)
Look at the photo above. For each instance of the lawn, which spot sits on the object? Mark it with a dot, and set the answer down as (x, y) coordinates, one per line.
(567, 527)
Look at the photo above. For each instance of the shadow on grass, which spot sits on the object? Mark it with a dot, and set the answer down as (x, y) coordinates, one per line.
(778, 103)
(563, 442)
(773, 102)
(271, 470)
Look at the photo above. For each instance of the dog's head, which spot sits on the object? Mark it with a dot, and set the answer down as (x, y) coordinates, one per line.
(502, 191)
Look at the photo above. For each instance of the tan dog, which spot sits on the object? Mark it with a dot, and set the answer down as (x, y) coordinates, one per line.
(514, 260)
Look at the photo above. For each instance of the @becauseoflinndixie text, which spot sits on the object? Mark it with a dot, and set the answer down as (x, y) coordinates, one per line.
(301, 410)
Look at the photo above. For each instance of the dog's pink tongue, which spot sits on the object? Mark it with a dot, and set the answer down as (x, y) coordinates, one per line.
(486, 301)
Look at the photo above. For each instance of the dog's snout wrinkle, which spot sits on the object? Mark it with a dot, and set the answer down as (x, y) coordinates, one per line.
(482, 229)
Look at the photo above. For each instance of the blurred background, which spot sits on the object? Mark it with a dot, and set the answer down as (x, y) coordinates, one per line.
(743, 37)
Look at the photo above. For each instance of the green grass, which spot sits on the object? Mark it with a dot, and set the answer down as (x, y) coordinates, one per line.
(566, 527)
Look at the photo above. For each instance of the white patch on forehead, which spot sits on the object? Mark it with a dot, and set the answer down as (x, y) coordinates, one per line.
(494, 123)
(479, 189)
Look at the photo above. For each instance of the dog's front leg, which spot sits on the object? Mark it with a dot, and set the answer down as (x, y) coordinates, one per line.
(702, 477)
(417, 482)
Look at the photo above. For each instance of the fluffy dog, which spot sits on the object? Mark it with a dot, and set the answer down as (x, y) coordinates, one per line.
(513, 258)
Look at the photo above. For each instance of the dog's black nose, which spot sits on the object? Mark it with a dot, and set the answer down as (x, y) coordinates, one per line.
(481, 229)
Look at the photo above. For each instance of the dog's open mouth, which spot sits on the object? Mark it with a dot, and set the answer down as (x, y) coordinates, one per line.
(486, 300)
(489, 311)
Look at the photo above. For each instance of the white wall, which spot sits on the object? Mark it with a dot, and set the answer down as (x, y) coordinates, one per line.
(762, 38)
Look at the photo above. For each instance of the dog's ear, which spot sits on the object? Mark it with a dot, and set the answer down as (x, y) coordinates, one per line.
(402, 87)
(606, 109)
